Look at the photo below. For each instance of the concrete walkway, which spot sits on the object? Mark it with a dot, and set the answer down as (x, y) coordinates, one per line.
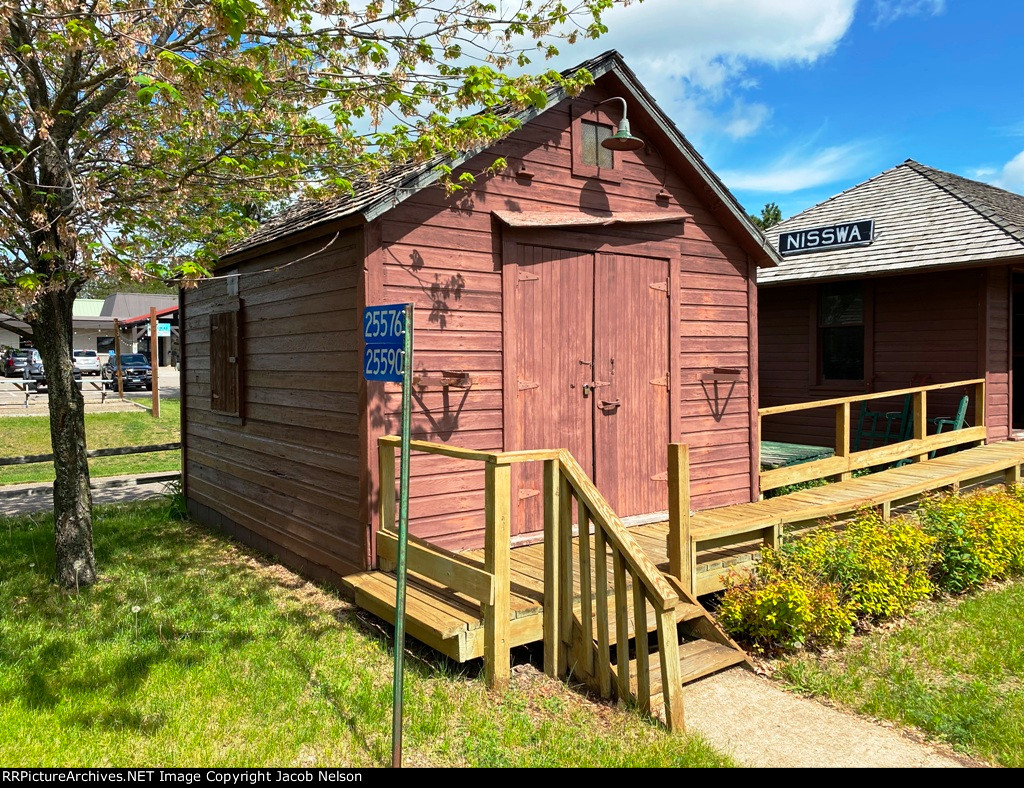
(20, 499)
(760, 724)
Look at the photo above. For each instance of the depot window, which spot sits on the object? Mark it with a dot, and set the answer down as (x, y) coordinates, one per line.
(841, 332)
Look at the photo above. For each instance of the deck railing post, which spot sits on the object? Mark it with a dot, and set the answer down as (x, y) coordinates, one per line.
(920, 421)
(497, 561)
(843, 436)
(980, 407)
(565, 573)
(679, 546)
(552, 565)
(386, 494)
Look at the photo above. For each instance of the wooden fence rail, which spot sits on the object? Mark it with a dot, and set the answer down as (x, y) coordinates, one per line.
(846, 461)
(114, 452)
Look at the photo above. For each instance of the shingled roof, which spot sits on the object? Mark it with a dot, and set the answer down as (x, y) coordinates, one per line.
(371, 199)
(924, 219)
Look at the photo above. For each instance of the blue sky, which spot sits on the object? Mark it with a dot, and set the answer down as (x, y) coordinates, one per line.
(796, 100)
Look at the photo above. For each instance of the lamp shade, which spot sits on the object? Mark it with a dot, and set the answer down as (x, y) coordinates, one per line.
(622, 139)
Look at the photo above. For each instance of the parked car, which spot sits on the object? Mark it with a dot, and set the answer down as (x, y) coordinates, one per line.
(35, 371)
(134, 368)
(87, 362)
(13, 363)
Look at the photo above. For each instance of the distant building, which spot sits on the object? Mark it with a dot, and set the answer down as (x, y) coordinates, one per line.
(911, 278)
(94, 323)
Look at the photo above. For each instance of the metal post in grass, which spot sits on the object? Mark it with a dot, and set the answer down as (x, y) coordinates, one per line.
(387, 356)
(117, 358)
(403, 538)
(154, 361)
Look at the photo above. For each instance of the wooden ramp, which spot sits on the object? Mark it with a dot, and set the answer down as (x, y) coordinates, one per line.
(725, 539)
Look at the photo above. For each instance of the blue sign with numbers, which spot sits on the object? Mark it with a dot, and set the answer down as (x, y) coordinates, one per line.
(384, 335)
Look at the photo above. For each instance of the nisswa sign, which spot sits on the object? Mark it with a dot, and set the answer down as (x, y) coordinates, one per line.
(820, 239)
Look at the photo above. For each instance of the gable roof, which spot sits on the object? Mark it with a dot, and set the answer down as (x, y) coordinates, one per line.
(126, 305)
(924, 219)
(372, 199)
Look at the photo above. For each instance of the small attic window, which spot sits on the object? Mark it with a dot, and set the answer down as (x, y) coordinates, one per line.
(591, 152)
(590, 127)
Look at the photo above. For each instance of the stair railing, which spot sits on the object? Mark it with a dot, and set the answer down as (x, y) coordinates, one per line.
(635, 583)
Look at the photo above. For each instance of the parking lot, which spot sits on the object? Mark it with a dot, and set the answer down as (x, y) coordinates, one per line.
(12, 400)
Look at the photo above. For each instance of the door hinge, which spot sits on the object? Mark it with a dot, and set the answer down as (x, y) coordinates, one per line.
(524, 385)
(660, 477)
(526, 492)
(662, 286)
(660, 382)
(525, 277)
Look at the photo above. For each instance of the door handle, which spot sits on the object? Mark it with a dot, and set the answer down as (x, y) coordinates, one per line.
(609, 404)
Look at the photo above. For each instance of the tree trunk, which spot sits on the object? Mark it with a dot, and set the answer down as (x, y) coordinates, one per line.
(72, 499)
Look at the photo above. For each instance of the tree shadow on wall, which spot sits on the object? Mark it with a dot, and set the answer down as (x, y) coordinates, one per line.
(440, 289)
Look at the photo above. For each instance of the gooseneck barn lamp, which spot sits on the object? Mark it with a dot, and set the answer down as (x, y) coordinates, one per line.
(621, 139)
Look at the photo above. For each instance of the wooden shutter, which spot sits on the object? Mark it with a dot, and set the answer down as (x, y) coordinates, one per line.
(225, 363)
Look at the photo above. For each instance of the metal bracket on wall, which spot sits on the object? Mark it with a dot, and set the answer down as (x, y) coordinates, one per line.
(459, 380)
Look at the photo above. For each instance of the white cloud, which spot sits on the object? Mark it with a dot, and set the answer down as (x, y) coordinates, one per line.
(800, 168)
(888, 11)
(1010, 176)
(693, 55)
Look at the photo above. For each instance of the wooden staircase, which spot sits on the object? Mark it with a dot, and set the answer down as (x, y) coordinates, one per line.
(607, 616)
(703, 650)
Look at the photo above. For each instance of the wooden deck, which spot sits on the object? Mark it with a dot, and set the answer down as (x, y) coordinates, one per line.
(724, 540)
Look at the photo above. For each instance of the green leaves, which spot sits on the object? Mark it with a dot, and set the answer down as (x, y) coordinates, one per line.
(235, 16)
(151, 88)
(183, 127)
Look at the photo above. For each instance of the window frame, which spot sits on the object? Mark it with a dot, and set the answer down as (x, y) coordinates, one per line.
(818, 382)
(587, 113)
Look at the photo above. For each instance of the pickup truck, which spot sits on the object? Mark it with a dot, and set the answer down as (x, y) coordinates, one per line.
(135, 369)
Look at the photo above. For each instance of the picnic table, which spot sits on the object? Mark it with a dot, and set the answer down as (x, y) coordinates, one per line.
(775, 454)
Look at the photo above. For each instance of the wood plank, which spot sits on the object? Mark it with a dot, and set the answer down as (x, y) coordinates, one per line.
(643, 657)
(669, 669)
(497, 640)
(679, 513)
(603, 668)
(444, 568)
(825, 403)
(621, 627)
(566, 577)
(551, 566)
(586, 589)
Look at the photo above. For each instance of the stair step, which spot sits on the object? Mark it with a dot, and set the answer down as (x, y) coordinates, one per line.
(697, 659)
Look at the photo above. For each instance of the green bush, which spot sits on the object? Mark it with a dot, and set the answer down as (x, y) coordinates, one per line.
(978, 537)
(811, 591)
(783, 606)
(882, 568)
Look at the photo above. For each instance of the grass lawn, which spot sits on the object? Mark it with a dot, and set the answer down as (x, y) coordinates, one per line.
(193, 651)
(21, 435)
(955, 671)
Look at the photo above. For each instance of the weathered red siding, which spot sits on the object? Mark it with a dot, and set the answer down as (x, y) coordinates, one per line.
(284, 476)
(925, 328)
(445, 255)
(296, 475)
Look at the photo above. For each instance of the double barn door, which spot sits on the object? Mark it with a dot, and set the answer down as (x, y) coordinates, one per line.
(591, 346)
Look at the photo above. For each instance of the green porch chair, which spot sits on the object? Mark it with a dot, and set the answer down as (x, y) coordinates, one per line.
(897, 427)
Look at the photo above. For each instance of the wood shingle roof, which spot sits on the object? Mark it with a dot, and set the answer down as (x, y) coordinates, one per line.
(924, 218)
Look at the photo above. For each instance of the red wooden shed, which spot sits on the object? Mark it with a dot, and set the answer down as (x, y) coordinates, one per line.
(580, 299)
(930, 298)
